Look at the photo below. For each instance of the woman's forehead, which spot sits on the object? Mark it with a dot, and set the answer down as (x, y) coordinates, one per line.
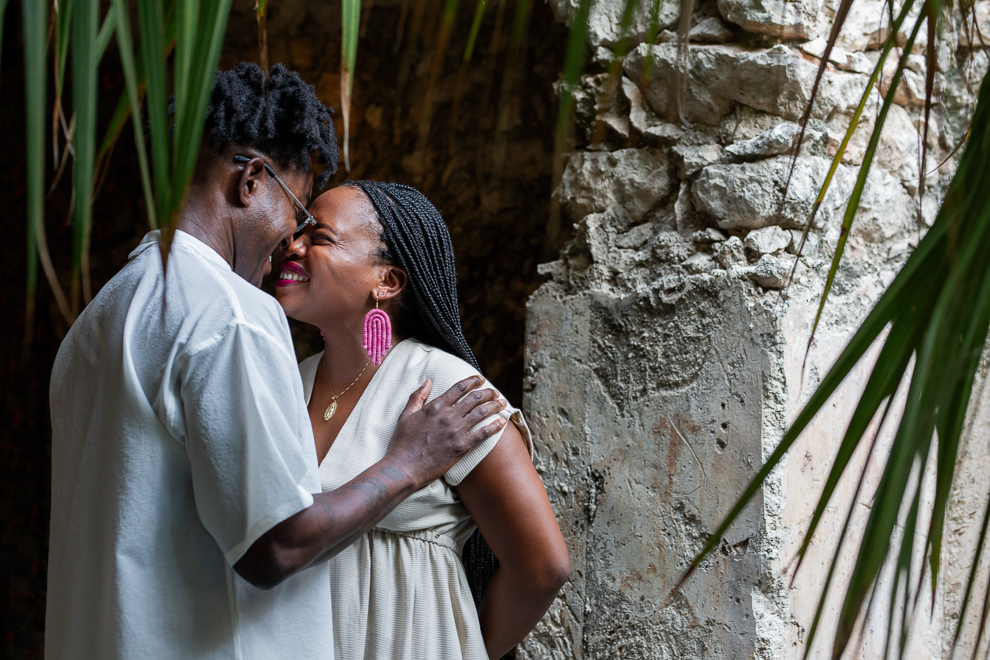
(346, 208)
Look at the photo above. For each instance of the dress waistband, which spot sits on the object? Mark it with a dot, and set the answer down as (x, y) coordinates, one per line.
(436, 538)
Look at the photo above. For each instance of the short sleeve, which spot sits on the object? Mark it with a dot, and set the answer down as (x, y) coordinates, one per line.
(250, 466)
(463, 467)
(445, 370)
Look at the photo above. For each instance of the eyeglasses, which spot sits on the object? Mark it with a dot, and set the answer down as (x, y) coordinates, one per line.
(309, 219)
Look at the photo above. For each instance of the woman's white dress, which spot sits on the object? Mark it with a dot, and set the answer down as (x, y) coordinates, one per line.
(400, 592)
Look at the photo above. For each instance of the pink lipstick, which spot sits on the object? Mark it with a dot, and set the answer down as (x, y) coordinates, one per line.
(292, 274)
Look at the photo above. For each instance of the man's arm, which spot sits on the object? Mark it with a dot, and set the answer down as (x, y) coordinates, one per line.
(428, 440)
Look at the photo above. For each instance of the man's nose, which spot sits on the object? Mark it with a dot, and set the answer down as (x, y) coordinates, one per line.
(295, 245)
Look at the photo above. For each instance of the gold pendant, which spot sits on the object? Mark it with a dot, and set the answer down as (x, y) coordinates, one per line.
(331, 409)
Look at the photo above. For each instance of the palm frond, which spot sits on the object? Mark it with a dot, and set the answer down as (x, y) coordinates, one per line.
(85, 59)
(350, 25)
(35, 27)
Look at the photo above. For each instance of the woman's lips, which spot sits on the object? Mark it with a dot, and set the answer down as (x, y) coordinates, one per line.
(291, 274)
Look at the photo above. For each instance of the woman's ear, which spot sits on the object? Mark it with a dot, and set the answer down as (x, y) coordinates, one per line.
(249, 183)
(393, 281)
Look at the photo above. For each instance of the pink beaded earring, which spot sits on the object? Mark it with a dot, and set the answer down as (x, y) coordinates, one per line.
(377, 334)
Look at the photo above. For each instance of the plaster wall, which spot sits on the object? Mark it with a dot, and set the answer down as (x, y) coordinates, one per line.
(665, 358)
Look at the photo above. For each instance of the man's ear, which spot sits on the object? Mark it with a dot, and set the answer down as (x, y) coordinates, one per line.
(393, 281)
(251, 181)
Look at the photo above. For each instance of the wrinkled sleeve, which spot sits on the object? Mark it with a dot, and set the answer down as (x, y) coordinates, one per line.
(445, 371)
(249, 467)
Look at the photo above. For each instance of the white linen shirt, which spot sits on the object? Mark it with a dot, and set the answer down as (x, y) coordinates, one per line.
(179, 436)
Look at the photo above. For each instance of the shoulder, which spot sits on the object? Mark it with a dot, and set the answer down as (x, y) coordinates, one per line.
(214, 302)
(441, 367)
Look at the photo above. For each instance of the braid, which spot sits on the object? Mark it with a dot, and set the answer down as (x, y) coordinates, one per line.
(417, 241)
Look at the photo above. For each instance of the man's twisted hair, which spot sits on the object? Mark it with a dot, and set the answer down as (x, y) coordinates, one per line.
(417, 241)
(279, 115)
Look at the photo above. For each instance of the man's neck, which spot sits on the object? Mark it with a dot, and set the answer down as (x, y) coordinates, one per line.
(201, 219)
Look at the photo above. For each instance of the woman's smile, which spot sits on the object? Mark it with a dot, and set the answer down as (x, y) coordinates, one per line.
(292, 274)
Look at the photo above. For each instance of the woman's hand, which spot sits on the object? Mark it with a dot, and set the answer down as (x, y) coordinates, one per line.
(506, 499)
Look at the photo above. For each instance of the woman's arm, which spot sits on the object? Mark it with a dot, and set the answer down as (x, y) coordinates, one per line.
(507, 501)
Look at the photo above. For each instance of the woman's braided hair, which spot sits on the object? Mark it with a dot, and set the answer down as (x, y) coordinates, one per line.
(417, 241)
(279, 115)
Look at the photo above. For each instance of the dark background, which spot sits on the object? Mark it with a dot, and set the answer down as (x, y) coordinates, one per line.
(486, 164)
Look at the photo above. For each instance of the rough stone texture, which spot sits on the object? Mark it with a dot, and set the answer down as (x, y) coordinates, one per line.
(776, 80)
(665, 357)
(769, 240)
(778, 18)
(779, 140)
(605, 19)
(628, 183)
(747, 195)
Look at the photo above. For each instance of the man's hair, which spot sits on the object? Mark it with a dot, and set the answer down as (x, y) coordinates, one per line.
(279, 115)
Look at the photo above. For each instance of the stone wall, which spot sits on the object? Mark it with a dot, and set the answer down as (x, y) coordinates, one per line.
(665, 358)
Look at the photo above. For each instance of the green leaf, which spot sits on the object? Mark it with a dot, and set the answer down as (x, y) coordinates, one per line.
(212, 23)
(85, 87)
(106, 32)
(151, 18)
(130, 65)
(349, 27)
(479, 14)
(34, 16)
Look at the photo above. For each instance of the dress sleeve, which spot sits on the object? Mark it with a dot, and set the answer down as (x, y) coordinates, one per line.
(250, 466)
(447, 370)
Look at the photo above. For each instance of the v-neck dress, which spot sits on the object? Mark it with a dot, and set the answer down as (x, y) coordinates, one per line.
(400, 591)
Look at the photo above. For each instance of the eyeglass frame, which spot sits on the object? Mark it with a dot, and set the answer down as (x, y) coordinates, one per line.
(310, 220)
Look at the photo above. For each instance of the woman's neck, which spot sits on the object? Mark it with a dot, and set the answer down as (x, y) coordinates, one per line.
(345, 356)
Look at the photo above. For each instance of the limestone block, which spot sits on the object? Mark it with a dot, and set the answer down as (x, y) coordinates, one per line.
(911, 90)
(968, 36)
(779, 140)
(864, 28)
(732, 253)
(699, 263)
(693, 158)
(776, 80)
(708, 236)
(841, 58)
(628, 183)
(643, 119)
(769, 240)
(605, 19)
(710, 30)
(777, 18)
(748, 195)
(771, 272)
(810, 247)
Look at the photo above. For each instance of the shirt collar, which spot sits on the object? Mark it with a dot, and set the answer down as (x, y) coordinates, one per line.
(184, 240)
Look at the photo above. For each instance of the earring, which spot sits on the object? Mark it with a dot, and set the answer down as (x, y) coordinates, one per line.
(377, 334)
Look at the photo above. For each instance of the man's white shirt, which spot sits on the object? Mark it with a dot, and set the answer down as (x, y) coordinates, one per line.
(179, 436)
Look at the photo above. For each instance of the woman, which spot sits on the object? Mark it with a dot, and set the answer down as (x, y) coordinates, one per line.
(400, 591)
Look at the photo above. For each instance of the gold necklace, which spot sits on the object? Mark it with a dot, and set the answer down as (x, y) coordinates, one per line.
(332, 408)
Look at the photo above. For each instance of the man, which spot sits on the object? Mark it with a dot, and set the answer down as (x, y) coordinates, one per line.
(183, 462)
